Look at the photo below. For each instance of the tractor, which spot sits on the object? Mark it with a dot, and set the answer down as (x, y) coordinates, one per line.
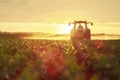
(80, 30)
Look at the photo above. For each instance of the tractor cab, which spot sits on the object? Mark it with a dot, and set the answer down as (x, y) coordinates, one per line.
(80, 30)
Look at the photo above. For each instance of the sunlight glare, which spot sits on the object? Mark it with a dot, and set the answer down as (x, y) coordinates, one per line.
(64, 29)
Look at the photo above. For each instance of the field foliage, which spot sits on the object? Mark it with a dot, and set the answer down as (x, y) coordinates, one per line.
(59, 60)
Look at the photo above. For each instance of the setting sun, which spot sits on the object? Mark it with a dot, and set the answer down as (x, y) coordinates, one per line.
(63, 29)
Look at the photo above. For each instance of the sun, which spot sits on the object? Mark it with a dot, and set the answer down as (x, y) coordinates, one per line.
(64, 29)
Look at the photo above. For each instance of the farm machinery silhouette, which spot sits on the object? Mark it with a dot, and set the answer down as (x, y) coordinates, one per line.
(80, 30)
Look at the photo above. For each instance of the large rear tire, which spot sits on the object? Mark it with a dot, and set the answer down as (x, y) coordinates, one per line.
(87, 34)
(77, 34)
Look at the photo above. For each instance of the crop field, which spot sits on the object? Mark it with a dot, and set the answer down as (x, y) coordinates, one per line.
(59, 60)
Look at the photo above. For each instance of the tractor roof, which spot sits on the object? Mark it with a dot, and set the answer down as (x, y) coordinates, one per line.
(80, 22)
(85, 22)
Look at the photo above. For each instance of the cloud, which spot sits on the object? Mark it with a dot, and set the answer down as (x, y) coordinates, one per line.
(4, 1)
(12, 2)
(57, 10)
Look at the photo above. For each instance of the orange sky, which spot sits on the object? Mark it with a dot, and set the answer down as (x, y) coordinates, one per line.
(104, 12)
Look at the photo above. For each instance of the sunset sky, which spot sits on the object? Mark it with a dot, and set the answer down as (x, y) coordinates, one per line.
(44, 15)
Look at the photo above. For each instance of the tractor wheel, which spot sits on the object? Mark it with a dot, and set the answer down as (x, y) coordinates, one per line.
(72, 34)
(87, 34)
